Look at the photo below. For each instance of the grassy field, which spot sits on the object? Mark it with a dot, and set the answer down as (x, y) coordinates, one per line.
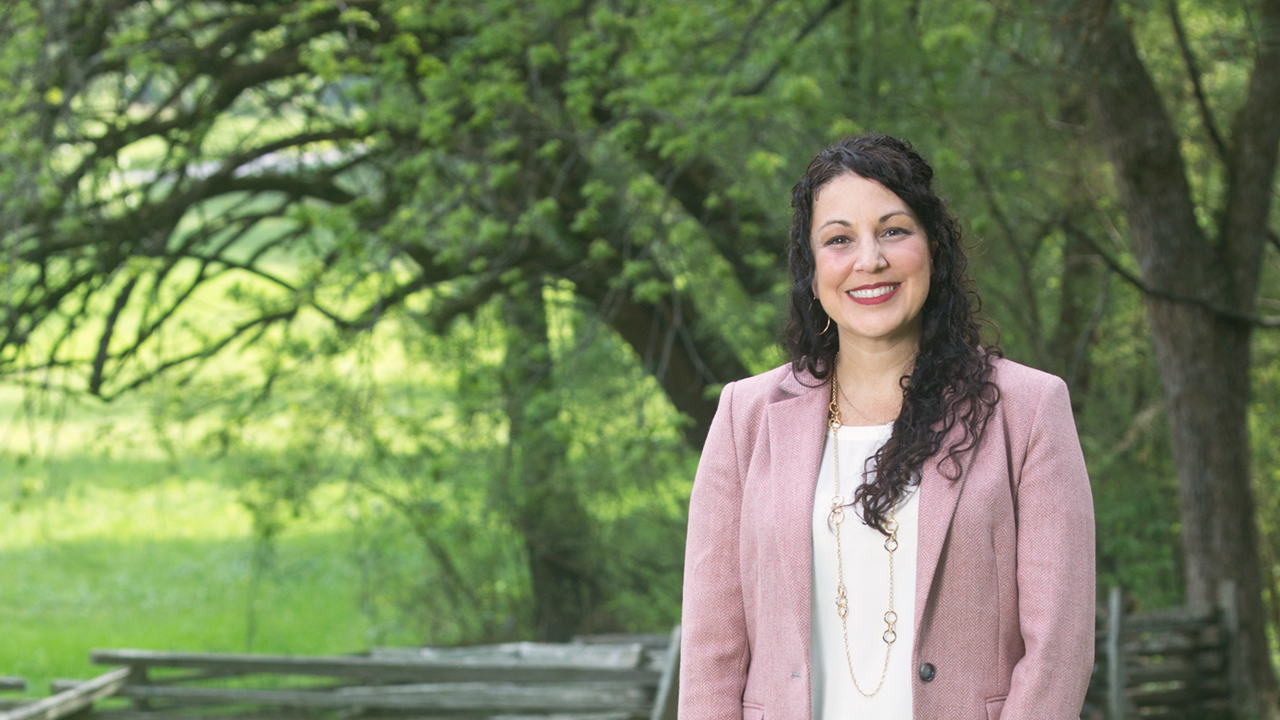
(118, 529)
(106, 542)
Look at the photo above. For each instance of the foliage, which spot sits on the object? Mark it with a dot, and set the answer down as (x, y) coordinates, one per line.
(314, 221)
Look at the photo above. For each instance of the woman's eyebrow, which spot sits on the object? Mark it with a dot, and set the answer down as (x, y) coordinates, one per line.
(884, 217)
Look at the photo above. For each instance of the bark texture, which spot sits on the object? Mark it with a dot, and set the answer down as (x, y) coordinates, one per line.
(1201, 341)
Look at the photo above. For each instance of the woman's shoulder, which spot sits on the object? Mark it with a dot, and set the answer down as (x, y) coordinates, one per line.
(1008, 373)
(771, 385)
(746, 399)
(1023, 387)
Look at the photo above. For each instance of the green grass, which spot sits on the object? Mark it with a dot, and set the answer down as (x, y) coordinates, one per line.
(121, 527)
(169, 566)
(106, 541)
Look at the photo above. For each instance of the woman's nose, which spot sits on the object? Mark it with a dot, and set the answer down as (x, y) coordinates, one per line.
(868, 257)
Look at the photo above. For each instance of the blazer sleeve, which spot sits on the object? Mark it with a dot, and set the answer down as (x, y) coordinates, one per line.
(714, 651)
(1056, 577)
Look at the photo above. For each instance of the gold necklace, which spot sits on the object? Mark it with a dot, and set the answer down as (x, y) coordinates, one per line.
(890, 544)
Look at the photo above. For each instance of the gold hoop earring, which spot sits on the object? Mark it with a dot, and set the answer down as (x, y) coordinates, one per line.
(828, 327)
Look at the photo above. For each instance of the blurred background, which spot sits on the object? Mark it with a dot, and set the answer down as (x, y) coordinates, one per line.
(334, 323)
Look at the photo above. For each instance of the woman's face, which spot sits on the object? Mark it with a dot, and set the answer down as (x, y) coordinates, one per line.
(872, 262)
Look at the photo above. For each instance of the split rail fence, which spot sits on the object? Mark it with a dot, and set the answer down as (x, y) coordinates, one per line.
(1167, 665)
(597, 678)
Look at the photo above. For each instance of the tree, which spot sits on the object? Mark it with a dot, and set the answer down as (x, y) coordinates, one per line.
(1200, 279)
(443, 158)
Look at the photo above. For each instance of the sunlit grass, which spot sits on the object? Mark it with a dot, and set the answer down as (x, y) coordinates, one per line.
(117, 530)
(163, 562)
(123, 525)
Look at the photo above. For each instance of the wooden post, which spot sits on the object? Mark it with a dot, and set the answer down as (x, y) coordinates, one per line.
(1116, 699)
(664, 705)
(1231, 626)
(138, 675)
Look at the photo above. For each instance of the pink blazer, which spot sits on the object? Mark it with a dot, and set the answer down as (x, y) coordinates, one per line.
(1004, 607)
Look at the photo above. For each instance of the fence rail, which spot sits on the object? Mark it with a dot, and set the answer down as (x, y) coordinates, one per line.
(70, 701)
(613, 678)
(1166, 665)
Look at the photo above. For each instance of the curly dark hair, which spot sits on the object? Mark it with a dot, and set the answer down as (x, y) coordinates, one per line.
(950, 383)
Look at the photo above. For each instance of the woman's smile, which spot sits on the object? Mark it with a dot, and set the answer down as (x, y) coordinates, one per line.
(874, 294)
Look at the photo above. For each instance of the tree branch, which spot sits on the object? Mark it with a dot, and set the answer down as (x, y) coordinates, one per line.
(1197, 85)
(279, 64)
(104, 343)
(1255, 139)
(203, 353)
(294, 186)
(1026, 284)
(1218, 309)
(444, 311)
(744, 43)
(759, 85)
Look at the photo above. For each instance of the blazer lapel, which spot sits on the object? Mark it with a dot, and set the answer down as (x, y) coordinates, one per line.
(797, 431)
(938, 498)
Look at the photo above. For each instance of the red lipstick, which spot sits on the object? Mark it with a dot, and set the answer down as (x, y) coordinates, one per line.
(878, 293)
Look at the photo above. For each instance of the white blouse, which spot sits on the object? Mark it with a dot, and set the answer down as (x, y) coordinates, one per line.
(866, 576)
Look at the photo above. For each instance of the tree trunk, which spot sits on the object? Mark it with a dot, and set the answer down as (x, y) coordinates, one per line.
(1204, 364)
(543, 504)
(1198, 296)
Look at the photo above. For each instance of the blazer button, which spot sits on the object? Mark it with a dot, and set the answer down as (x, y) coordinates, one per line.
(927, 672)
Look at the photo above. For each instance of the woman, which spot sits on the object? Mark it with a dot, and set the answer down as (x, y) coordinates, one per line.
(935, 562)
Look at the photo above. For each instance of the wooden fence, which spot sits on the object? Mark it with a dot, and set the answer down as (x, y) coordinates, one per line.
(617, 678)
(1168, 665)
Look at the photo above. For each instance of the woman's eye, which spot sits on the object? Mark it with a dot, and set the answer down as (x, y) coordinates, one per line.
(896, 232)
(838, 240)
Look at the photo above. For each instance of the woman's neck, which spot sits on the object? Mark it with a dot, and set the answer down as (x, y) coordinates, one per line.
(875, 364)
(870, 380)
